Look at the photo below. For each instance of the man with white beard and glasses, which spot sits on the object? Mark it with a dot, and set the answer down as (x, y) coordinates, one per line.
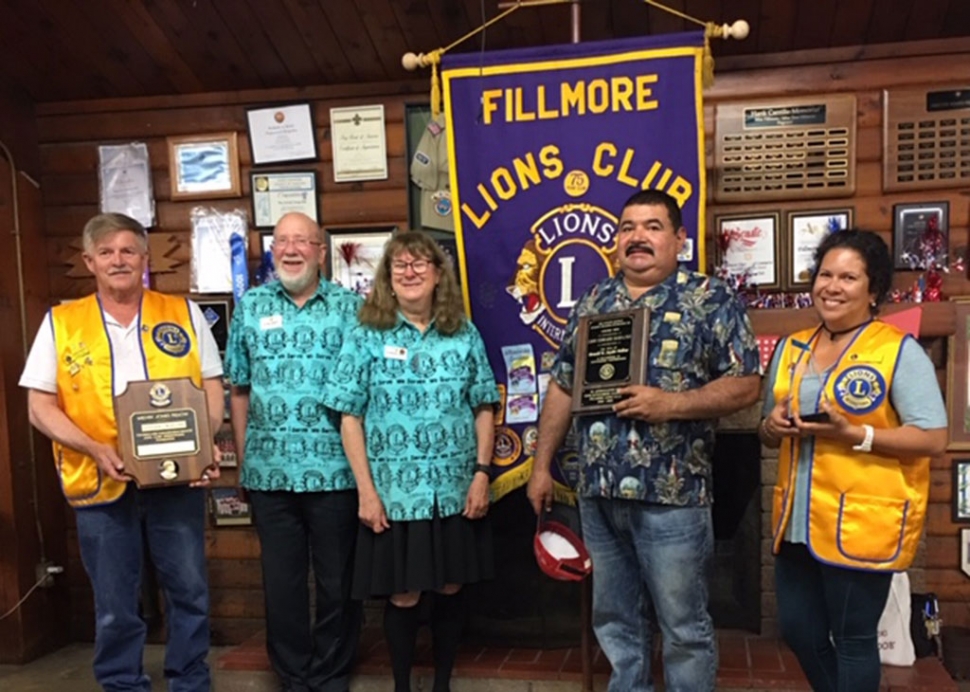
(284, 337)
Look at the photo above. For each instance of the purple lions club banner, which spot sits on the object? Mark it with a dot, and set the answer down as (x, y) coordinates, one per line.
(545, 146)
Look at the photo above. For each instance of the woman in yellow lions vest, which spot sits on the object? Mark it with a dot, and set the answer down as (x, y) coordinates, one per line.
(854, 409)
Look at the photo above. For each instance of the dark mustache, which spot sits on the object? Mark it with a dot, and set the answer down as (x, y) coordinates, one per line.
(634, 247)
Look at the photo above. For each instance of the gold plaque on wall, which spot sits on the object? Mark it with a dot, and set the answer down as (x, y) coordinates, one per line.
(926, 138)
(778, 149)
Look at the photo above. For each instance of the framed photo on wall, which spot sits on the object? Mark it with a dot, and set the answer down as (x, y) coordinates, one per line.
(216, 312)
(279, 193)
(279, 134)
(806, 230)
(958, 378)
(910, 223)
(354, 255)
(961, 491)
(749, 245)
(204, 166)
(965, 551)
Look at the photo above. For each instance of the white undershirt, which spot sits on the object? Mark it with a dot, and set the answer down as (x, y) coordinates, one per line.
(40, 370)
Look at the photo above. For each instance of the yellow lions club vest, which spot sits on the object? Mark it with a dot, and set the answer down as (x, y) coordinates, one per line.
(169, 349)
(865, 510)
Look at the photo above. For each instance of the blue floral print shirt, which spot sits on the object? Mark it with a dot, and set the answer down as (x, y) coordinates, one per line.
(284, 354)
(417, 394)
(699, 331)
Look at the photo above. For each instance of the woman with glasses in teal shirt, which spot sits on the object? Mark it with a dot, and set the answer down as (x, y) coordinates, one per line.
(417, 392)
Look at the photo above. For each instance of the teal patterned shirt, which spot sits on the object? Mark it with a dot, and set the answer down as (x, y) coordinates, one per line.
(699, 331)
(417, 394)
(284, 354)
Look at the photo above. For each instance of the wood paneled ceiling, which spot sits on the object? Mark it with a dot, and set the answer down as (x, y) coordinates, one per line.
(57, 50)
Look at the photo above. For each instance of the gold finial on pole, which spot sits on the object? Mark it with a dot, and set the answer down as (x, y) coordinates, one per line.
(738, 30)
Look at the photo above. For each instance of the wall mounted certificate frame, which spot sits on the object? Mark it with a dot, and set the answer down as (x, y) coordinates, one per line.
(204, 166)
(279, 134)
(164, 432)
(749, 245)
(910, 223)
(806, 229)
(279, 193)
(611, 352)
(359, 143)
(961, 491)
(958, 378)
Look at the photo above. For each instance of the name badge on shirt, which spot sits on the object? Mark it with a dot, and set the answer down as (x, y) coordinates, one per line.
(396, 352)
(271, 322)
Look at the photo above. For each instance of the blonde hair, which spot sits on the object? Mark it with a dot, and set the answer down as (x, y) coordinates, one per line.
(380, 308)
(105, 224)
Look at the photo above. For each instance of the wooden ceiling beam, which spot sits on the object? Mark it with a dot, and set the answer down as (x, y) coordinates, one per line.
(354, 40)
(248, 32)
(71, 30)
(282, 35)
(851, 22)
(153, 39)
(777, 26)
(385, 33)
(888, 21)
(926, 20)
(207, 46)
(320, 37)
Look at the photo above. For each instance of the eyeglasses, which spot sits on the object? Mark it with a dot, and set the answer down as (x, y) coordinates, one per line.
(418, 266)
(298, 243)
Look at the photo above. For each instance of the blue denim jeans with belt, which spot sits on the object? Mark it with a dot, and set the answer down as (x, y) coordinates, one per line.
(652, 561)
(110, 540)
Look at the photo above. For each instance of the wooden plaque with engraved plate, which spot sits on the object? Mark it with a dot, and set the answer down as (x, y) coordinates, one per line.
(164, 434)
(611, 352)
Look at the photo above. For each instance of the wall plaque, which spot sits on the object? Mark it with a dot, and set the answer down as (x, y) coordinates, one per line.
(767, 150)
(926, 138)
(163, 432)
(611, 352)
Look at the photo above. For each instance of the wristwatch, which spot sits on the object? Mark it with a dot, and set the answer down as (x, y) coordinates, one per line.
(866, 444)
(483, 468)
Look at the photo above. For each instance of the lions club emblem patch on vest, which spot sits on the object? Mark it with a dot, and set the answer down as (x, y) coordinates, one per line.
(860, 389)
(171, 339)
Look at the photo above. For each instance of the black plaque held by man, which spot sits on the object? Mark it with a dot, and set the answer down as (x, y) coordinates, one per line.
(611, 352)
(163, 432)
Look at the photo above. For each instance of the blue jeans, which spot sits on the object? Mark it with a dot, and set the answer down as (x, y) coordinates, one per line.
(820, 604)
(110, 540)
(652, 558)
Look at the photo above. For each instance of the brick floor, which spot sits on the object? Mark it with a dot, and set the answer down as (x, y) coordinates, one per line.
(747, 662)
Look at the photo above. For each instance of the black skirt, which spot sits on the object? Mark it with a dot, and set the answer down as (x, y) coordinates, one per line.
(422, 556)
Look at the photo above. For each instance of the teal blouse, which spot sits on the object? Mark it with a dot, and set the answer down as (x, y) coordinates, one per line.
(416, 394)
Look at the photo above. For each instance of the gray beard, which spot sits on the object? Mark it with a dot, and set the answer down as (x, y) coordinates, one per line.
(298, 284)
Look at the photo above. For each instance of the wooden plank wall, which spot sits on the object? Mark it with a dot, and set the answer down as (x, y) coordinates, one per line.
(70, 132)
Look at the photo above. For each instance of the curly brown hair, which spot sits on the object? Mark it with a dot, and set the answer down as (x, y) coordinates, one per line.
(380, 309)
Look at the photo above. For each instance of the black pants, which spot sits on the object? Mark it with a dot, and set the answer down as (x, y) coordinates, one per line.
(829, 616)
(295, 528)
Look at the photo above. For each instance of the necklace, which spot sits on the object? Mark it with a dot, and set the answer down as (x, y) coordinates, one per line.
(835, 334)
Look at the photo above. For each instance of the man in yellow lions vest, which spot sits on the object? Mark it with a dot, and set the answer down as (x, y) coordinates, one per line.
(86, 352)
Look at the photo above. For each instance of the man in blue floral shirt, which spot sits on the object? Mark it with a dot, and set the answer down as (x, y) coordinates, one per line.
(645, 486)
(284, 339)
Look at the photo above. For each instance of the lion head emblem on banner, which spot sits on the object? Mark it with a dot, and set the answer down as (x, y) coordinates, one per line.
(570, 248)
